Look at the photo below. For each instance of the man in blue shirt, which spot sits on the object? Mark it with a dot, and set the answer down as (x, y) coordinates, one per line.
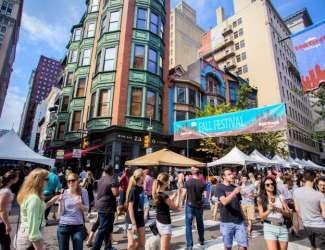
(53, 186)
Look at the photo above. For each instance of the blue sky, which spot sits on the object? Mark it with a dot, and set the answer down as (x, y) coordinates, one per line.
(46, 29)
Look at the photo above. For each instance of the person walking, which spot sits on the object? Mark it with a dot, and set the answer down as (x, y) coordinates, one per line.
(248, 194)
(52, 188)
(147, 187)
(107, 191)
(195, 189)
(73, 203)
(6, 198)
(321, 184)
(135, 213)
(124, 182)
(88, 184)
(310, 205)
(163, 205)
(32, 209)
(232, 220)
(214, 199)
(273, 210)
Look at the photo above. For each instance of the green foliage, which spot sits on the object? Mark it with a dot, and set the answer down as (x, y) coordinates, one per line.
(267, 143)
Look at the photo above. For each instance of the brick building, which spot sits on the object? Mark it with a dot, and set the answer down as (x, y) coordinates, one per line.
(43, 78)
(116, 80)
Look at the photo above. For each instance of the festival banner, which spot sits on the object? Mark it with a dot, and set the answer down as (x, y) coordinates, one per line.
(309, 46)
(257, 120)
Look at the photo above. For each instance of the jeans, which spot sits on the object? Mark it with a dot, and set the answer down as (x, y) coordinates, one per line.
(5, 240)
(77, 234)
(106, 222)
(191, 212)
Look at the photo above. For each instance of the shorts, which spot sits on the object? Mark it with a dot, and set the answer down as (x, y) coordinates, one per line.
(316, 237)
(249, 212)
(277, 233)
(164, 229)
(230, 230)
(21, 241)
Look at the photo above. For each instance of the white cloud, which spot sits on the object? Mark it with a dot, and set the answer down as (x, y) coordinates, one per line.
(12, 109)
(54, 35)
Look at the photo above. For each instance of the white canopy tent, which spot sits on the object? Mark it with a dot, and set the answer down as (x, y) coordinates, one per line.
(234, 157)
(293, 163)
(315, 165)
(13, 148)
(261, 158)
(280, 161)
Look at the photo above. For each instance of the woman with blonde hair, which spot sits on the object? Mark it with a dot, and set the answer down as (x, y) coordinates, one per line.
(135, 211)
(73, 203)
(32, 208)
(163, 203)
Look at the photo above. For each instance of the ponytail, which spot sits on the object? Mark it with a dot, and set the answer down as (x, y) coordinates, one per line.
(133, 182)
(162, 180)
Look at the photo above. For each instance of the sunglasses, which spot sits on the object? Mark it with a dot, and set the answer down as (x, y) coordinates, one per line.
(71, 181)
(269, 184)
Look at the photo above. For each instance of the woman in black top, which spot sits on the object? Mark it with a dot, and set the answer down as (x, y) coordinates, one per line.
(164, 203)
(135, 214)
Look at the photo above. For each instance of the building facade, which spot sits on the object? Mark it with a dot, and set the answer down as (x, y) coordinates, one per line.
(115, 84)
(43, 78)
(298, 20)
(10, 20)
(185, 36)
(269, 62)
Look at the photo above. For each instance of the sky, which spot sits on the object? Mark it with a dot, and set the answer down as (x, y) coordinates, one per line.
(46, 29)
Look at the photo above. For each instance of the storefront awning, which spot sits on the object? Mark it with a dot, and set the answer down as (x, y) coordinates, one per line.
(84, 152)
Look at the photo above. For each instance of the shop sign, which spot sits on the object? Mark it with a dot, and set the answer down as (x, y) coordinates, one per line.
(76, 153)
(60, 154)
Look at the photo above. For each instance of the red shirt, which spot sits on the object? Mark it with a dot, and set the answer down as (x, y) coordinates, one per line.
(124, 182)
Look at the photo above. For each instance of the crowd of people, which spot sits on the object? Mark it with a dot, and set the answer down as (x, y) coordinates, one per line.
(284, 202)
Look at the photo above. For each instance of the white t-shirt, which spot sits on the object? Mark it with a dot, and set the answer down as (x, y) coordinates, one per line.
(4, 191)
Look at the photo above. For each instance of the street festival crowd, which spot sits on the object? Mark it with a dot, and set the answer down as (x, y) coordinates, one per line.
(284, 201)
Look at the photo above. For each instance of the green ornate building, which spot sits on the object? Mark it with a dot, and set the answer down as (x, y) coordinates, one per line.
(115, 81)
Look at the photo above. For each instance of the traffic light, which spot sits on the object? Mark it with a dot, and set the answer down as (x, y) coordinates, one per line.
(85, 142)
(147, 141)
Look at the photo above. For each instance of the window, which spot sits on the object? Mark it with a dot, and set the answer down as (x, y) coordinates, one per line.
(234, 24)
(239, 21)
(114, 21)
(69, 79)
(99, 55)
(160, 108)
(245, 69)
(151, 104)
(181, 95)
(142, 18)
(65, 103)
(154, 22)
(242, 43)
(236, 34)
(94, 6)
(239, 71)
(85, 60)
(162, 26)
(77, 34)
(109, 60)
(76, 119)
(238, 58)
(237, 46)
(60, 134)
(6, 8)
(92, 105)
(152, 61)
(241, 32)
(90, 29)
(136, 101)
(191, 97)
(81, 87)
(104, 27)
(243, 56)
(139, 52)
(180, 115)
(73, 56)
(103, 103)
(161, 66)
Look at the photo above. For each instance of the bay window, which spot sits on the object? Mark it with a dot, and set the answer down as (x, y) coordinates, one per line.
(60, 134)
(94, 6)
(85, 60)
(92, 105)
(65, 104)
(180, 95)
(152, 61)
(114, 21)
(142, 18)
(81, 87)
(76, 120)
(90, 32)
(109, 59)
(151, 104)
(154, 23)
(103, 103)
(136, 101)
(139, 54)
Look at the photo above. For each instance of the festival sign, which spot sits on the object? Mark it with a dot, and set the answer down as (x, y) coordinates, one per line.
(258, 120)
(309, 46)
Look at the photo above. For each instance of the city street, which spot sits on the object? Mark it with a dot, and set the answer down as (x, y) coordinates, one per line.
(212, 235)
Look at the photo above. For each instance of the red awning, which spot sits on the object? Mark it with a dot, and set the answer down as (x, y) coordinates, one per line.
(84, 152)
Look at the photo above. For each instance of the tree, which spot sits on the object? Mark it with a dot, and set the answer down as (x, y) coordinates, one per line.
(267, 143)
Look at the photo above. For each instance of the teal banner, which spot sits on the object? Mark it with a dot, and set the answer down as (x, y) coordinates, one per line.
(258, 120)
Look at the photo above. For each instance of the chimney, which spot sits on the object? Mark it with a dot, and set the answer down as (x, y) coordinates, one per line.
(220, 13)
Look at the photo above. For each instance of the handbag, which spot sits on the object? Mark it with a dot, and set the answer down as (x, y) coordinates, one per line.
(153, 228)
